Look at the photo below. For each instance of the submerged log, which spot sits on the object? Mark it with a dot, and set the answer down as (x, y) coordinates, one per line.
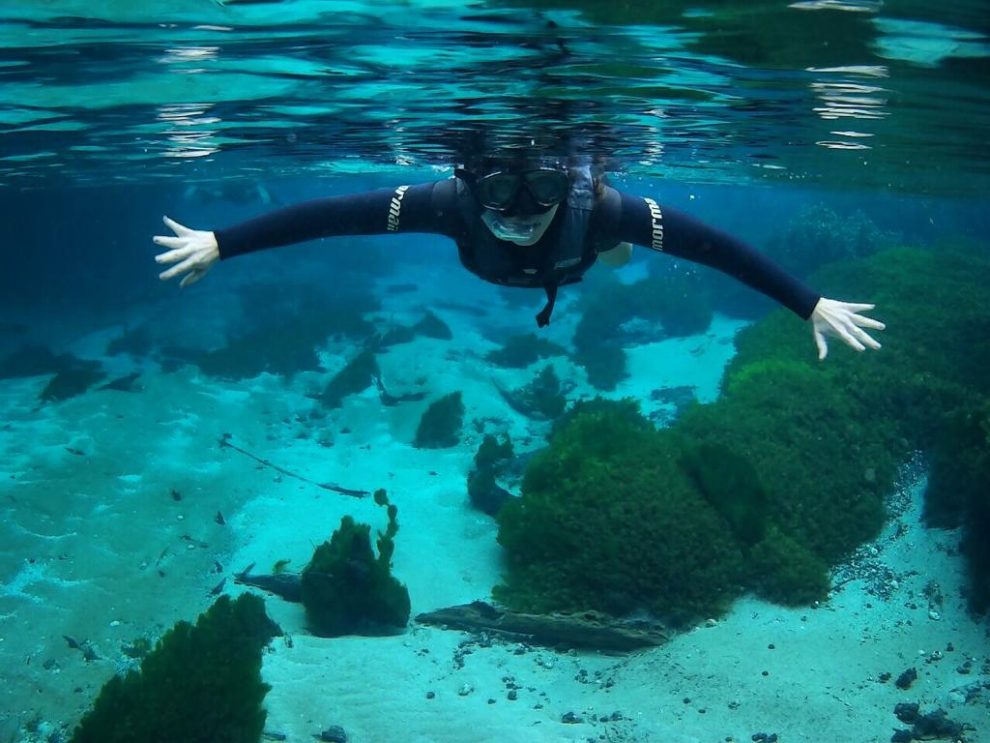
(587, 629)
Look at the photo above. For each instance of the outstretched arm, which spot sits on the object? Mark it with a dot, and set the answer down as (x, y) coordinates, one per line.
(644, 222)
(403, 209)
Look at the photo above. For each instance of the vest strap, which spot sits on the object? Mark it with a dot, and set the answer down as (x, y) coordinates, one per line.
(543, 317)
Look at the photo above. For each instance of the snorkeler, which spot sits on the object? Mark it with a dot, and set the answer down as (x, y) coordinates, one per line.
(522, 220)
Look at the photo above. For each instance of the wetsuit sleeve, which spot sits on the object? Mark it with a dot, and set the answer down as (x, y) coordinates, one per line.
(419, 208)
(645, 222)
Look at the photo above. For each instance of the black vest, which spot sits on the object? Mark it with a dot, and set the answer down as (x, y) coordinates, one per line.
(561, 256)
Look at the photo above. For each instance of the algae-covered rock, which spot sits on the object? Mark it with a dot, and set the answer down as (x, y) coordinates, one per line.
(201, 684)
(519, 351)
(608, 520)
(440, 426)
(355, 377)
(347, 590)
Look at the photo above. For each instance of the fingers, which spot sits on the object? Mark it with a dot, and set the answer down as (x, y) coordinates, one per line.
(172, 256)
(855, 325)
(191, 278)
(850, 339)
(187, 265)
(177, 228)
(169, 242)
(822, 345)
(867, 340)
(867, 322)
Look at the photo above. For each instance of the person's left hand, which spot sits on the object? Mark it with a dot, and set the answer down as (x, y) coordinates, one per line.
(842, 319)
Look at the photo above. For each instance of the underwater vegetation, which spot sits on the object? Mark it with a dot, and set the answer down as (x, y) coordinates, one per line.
(357, 375)
(519, 351)
(430, 326)
(818, 235)
(201, 683)
(441, 423)
(71, 375)
(295, 325)
(609, 520)
(540, 399)
(490, 461)
(347, 590)
(779, 479)
(676, 301)
(958, 491)
(813, 238)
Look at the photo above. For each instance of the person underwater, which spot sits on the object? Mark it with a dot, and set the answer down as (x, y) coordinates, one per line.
(526, 221)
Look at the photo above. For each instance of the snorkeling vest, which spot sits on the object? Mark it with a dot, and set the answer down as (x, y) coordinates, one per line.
(561, 256)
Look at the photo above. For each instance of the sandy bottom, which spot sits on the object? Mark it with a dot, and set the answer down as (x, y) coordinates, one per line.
(121, 512)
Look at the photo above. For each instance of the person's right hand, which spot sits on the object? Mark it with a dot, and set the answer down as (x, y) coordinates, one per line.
(192, 251)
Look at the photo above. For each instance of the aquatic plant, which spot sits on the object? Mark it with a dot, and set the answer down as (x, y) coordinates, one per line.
(347, 590)
(815, 237)
(604, 365)
(676, 298)
(540, 399)
(357, 375)
(818, 235)
(519, 351)
(484, 492)
(491, 452)
(784, 571)
(201, 684)
(609, 520)
(934, 365)
(73, 376)
(825, 461)
(958, 492)
(432, 326)
(730, 484)
(296, 323)
(441, 423)
(776, 481)
(605, 307)
(271, 348)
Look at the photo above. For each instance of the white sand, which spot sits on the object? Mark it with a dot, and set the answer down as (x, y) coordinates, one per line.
(96, 547)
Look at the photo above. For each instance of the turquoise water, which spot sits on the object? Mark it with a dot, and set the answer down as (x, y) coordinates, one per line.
(820, 132)
(882, 95)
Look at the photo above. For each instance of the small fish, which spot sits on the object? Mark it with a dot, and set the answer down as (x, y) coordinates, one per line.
(84, 647)
(73, 642)
(218, 588)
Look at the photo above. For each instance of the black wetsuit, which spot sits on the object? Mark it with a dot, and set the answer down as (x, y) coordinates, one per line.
(443, 207)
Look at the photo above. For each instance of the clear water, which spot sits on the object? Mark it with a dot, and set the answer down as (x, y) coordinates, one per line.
(115, 112)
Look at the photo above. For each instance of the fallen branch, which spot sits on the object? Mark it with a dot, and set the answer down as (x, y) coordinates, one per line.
(224, 441)
(586, 629)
